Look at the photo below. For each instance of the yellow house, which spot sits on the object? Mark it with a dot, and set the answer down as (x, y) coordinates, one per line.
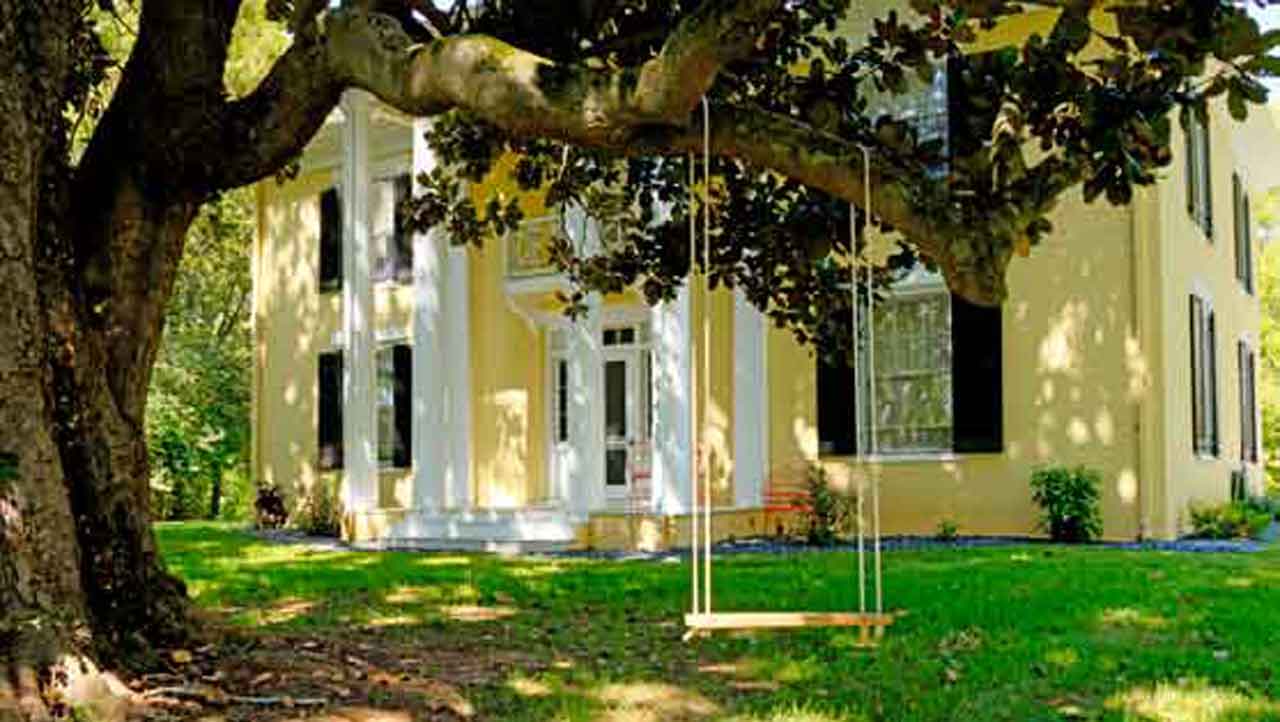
(450, 403)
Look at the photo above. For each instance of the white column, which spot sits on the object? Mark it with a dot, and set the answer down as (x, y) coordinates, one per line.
(586, 411)
(672, 391)
(359, 432)
(430, 334)
(457, 482)
(750, 404)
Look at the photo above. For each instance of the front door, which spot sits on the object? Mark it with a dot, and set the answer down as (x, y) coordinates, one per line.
(620, 426)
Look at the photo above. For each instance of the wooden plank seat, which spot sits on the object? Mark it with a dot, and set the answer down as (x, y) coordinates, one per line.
(871, 625)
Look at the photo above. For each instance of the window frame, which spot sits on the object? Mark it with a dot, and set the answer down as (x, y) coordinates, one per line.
(1198, 167)
(392, 265)
(1247, 377)
(1243, 227)
(1206, 434)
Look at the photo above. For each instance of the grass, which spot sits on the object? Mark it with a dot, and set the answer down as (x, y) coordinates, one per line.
(1024, 633)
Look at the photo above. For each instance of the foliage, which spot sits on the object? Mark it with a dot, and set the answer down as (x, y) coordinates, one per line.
(320, 512)
(1268, 217)
(1080, 105)
(1005, 633)
(1229, 520)
(269, 509)
(831, 515)
(1069, 501)
(198, 409)
(948, 530)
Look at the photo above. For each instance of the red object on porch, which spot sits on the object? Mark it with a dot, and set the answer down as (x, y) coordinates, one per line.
(786, 495)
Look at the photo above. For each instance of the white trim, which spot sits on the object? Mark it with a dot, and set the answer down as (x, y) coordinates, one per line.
(672, 342)
(359, 473)
(458, 365)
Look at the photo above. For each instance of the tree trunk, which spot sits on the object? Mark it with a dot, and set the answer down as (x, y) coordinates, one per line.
(80, 577)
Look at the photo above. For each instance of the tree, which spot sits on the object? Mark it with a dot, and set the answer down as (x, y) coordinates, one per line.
(594, 96)
(1269, 352)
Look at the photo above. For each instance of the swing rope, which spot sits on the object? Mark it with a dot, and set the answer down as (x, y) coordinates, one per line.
(701, 619)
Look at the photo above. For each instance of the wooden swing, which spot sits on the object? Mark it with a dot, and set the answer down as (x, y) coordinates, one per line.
(702, 620)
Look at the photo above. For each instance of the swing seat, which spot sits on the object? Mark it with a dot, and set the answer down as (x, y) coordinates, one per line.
(870, 625)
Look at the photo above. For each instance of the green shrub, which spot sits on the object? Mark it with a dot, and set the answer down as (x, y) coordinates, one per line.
(1068, 498)
(831, 514)
(1232, 520)
(948, 530)
(320, 513)
(1268, 505)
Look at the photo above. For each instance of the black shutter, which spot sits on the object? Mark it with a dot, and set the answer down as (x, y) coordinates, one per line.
(977, 377)
(1242, 373)
(1198, 442)
(1248, 245)
(1189, 147)
(330, 240)
(837, 399)
(403, 240)
(1238, 224)
(330, 411)
(1212, 354)
(1253, 406)
(1207, 177)
(402, 454)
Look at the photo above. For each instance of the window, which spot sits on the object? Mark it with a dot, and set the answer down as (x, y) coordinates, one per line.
(912, 371)
(389, 231)
(1199, 174)
(329, 410)
(1248, 403)
(562, 399)
(330, 240)
(1204, 378)
(938, 377)
(393, 371)
(1243, 234)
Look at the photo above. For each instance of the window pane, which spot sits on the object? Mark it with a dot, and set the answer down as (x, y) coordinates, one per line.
(386, 405)
(615, 398)
(912, 409)
(615, 467)
(382, 228)
(562, 400)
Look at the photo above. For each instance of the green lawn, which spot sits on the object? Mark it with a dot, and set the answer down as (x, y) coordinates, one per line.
(1027, 633)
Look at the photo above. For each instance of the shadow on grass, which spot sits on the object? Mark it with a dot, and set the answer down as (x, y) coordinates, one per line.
(1022, 633)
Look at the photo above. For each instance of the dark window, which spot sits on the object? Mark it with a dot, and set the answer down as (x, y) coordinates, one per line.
(1204, 378)
(1199, 172)
(562, 400)
(1243, 234)
(1248, 404)
(977, 377)
(330, 411)
(393, 368)
(330, 240)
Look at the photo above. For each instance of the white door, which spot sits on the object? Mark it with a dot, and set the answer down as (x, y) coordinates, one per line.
(620, 422)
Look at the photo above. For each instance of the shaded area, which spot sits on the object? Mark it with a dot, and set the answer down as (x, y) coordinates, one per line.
(1034, 632)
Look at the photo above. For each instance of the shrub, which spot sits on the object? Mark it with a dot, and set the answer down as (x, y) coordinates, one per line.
(1232, 520)
(831, 514)
(1268, 505)
(320, 513)
(269, 510)
(948, 530)
(1069, 502)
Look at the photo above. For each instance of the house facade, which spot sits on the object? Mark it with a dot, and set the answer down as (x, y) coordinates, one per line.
(443, 394)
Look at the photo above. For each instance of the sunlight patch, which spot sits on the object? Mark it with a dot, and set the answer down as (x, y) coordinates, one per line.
(286, 610)
(393, 620)
(651, 702)
(1132, 618)
(473, 613)
(526, 687)
(1192, 702)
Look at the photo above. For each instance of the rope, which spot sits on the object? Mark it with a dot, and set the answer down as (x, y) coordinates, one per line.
(706, 335)
(693, 407)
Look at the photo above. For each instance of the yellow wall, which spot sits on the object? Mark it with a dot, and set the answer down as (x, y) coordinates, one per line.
(1190, 261)
(1071, 389)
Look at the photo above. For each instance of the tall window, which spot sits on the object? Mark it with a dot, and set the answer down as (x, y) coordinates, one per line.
(562, 399)
(936, 383)
(393, 369)
(913, 371)
(1243, 234)
(1204, 378)
(1248, 403)
(329, 411)
(330, 240)
(1199, 173)
(389, 231)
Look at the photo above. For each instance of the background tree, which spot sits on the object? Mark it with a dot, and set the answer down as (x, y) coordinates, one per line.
(593, 100)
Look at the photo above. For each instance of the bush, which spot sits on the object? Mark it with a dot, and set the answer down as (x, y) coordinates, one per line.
(1232, 520)
(831, 514)
(1069, 502)
(948, 530)
(269, 510)
(1269, 505)
(320, 513)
